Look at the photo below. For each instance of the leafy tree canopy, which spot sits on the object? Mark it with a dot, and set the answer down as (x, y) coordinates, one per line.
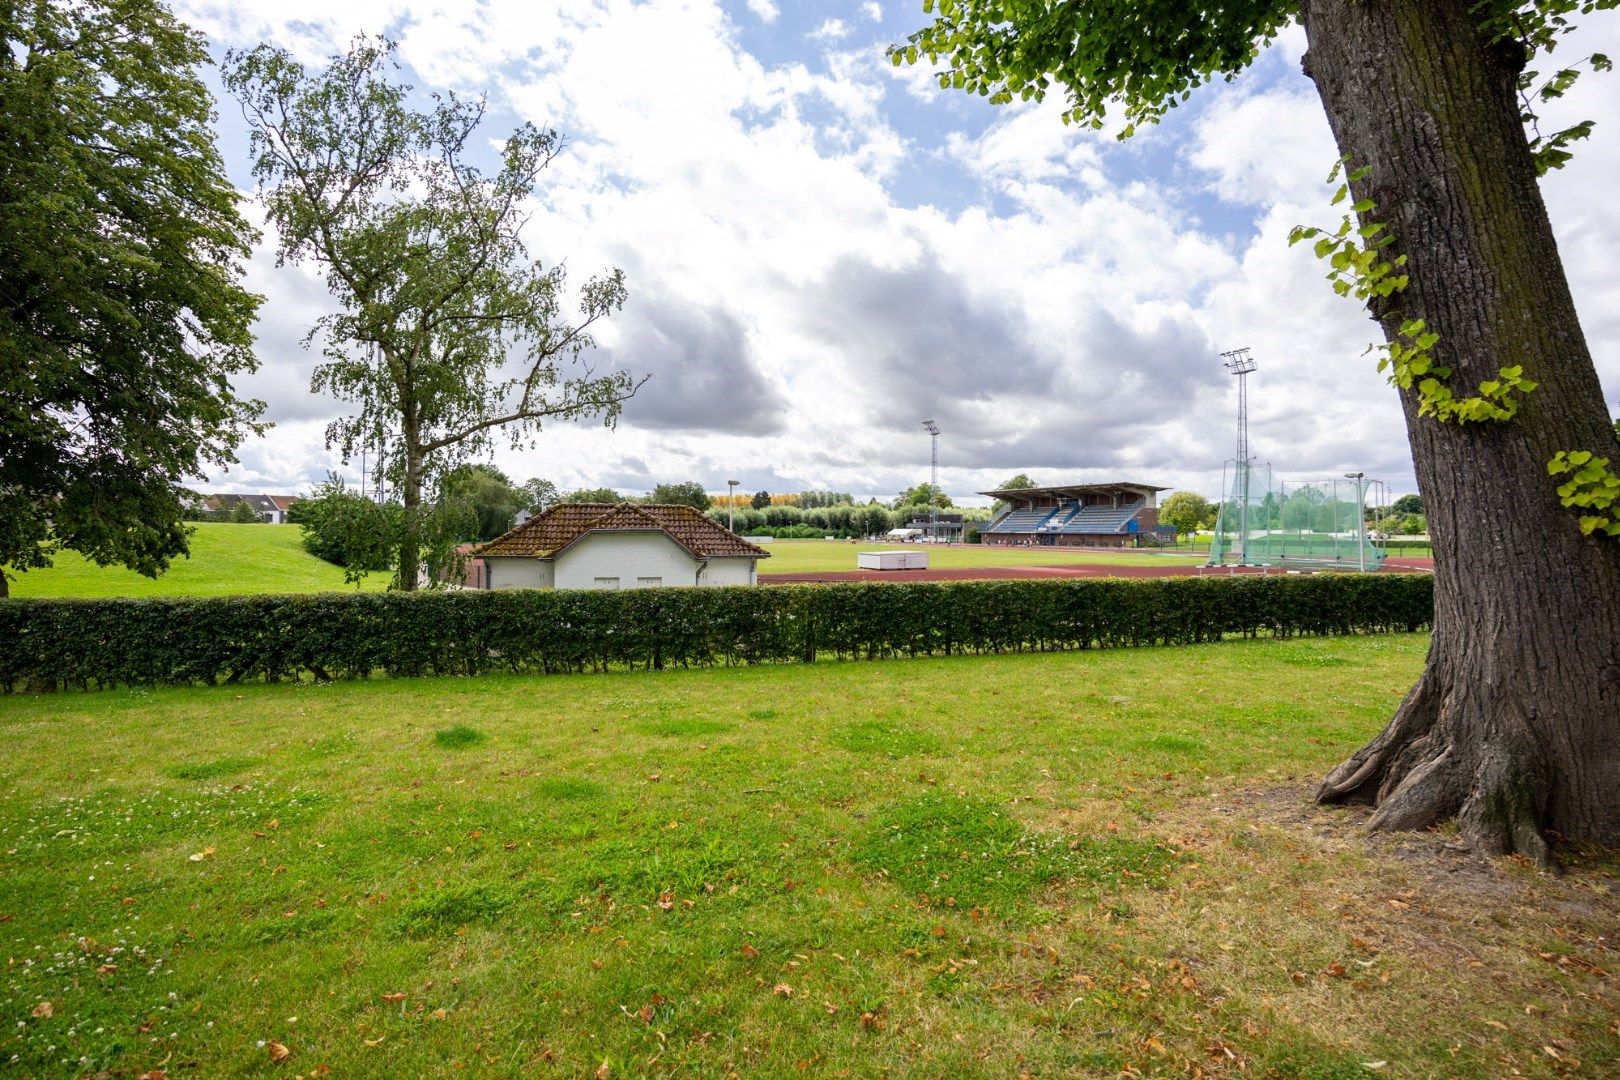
(1408, 504)
(538, 494)
(490, 503)
(690, 493)
(924, 494)
(1186, 511)
(122, 320)
(594, 495)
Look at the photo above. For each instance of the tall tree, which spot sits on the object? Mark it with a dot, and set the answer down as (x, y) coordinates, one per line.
(490, 503)
(1514, 727)
(122, 320)
(448, 333)
(1185, 511)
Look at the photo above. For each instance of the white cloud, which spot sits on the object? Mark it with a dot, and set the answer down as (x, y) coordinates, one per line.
(829, 30)
(765, 9)
(822, 250)
(872, 10)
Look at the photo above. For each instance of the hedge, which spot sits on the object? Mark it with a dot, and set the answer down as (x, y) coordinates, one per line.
(46, 644)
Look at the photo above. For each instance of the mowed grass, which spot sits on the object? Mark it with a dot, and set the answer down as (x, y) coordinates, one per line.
(1075, 864)
(807, 556)
(225, 559)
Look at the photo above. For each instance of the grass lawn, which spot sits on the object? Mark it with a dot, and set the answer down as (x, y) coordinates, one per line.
(1053, 865)
(805, 556)
(224, 559)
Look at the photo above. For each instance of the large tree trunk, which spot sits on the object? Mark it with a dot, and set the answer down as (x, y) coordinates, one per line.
(1514, 727)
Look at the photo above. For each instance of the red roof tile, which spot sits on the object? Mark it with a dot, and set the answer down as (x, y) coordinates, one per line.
(545, 535)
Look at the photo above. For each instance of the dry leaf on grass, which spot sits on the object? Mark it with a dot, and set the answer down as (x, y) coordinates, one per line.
(43, 1011)
(278, 1052)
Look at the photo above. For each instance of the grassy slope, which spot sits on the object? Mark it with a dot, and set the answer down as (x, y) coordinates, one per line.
(707, 871)
(803, 556)
(224, 559)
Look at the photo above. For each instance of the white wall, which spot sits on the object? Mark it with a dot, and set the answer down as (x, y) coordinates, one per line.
(626, 556)
(731, 570)
(517, 572)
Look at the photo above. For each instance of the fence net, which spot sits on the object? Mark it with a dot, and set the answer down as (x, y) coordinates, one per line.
(1317, 524)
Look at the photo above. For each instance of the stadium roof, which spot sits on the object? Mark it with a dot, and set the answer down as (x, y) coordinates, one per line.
(1072, 491)
(545, 535)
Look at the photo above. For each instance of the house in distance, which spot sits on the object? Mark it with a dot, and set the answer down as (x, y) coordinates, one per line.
(623, 546)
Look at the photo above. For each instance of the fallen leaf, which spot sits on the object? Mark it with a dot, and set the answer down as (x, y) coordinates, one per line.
(439, 1014)
(377, 1041)
(1334, 970)
(42, 1011)
(666, 900)
(1374, 1065)
(155, 1074)
(602, 1070)
(398, 996)
(749, 952)
(782, 990)
(278, 1052)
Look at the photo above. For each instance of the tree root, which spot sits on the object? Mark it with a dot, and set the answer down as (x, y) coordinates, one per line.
(1418, 773)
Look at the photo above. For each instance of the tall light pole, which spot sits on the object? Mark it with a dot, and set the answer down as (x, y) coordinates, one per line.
(933, 479)
(731, 504)
(1361, 521)
(1239, 363)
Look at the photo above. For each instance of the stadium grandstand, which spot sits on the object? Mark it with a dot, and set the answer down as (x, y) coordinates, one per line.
(1076, 515)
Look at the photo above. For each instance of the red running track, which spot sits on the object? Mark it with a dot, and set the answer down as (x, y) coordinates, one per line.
(1085, 570)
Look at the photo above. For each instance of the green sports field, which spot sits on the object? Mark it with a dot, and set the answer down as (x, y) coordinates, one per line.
(1081, 864)
(225, 559)
(819, 556)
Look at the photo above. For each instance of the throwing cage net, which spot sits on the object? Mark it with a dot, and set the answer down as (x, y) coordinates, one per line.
(1319, 524)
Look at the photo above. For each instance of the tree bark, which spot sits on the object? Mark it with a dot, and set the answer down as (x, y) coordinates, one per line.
(1514, 727)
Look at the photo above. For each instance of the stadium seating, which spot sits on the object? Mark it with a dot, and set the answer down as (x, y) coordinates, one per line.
(1099, 519)
(1024, 521)
(1069, 519)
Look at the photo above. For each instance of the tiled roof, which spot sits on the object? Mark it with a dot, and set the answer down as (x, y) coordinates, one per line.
(545, 535)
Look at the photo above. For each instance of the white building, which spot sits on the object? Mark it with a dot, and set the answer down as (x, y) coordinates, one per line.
(627, 546)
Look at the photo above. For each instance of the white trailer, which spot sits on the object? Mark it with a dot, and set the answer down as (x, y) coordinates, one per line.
(892, 560)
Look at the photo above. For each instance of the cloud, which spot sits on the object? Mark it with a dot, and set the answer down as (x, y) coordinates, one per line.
(829, 30)
(822, 249)
(703, 375)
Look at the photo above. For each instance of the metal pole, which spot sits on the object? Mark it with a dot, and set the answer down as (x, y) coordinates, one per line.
(1361, 522)
(731, 504)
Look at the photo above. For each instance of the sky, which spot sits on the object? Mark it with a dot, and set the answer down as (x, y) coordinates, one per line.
(823, 250)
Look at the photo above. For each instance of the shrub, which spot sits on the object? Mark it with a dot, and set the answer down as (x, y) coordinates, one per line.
(62, 643)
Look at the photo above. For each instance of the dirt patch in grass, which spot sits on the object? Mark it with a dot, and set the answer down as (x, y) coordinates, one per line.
(1299, 916)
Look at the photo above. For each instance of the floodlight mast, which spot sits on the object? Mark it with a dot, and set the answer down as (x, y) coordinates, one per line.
(1238, 362)
(731, 504)
(933, 479)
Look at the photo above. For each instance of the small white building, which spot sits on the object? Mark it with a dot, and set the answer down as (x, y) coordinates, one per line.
(624, 546)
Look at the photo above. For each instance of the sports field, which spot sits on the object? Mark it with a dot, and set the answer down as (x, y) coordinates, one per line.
(1080, 864)
(225, 559)
(806, 556)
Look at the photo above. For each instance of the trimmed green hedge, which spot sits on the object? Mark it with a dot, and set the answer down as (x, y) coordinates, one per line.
(81, 643)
